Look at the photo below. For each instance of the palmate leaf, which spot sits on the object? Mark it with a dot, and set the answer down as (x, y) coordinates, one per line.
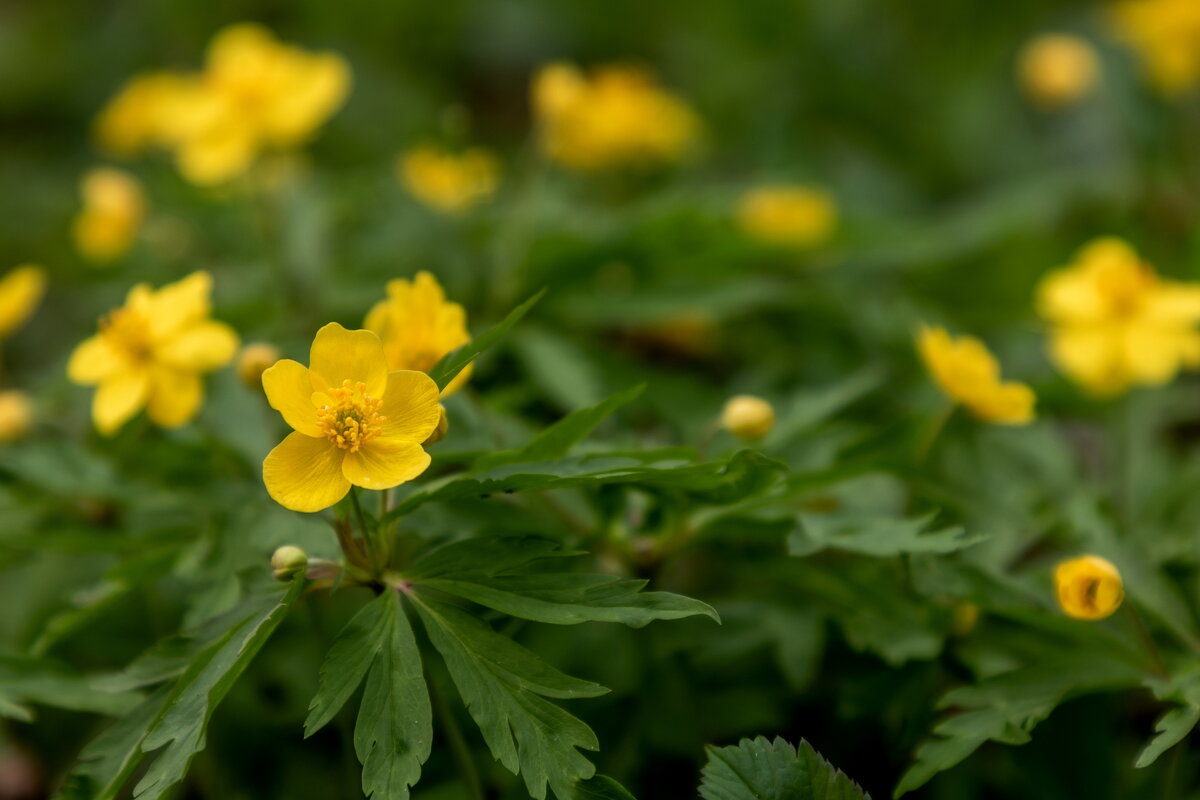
(347, 662)
(760, 769)
(453, 363)
(109, 759)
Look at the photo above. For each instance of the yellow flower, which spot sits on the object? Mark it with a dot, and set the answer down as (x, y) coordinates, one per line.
(964, 369)
(617, 116)
(113, 208)
(1166, 36)
(355, 423)
(140, 115)
(748, 417)
(797, 216)
(150, 354)
(1115, 323)
(418, 326)
(20, 292)
(253, 360)
(1055, 70)
(1088, 587)
(16, 415)
(448, 182)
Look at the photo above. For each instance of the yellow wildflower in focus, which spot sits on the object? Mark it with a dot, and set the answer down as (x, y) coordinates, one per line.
(748, 417)
(448, 182)
(113, 208)
(20, 292)
(253, 360)
(1115, 323)
(150, 354)
(1165, 34)
(1088, 587)
(418, 326)
(354, 422)
(797, 216)
(963, 368)
(616, 116)
(16, 415)
(1055, 70)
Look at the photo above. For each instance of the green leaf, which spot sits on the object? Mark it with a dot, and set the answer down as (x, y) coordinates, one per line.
(110, 759)
(601, 787)
(875, 536)
(503, 686)
(1170, 729)
(28, 680)
(394, 733)
(453, 363)
(759, 769)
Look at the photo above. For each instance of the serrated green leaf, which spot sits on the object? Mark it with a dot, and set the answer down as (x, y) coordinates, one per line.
(1169, 731)
(875, 536)
(601, 787)
(453, 363)
(110, 759)
(759, 769)
(347, 662)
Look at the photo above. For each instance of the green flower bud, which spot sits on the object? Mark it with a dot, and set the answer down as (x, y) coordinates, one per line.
(287, 561)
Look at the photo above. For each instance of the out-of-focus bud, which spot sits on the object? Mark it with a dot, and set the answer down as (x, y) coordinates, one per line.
(1088, 587)
(16, 414)
(1055, 70)
(256, 358)
(287, 561)
(748, 417)
(966, 617)
(443, 427)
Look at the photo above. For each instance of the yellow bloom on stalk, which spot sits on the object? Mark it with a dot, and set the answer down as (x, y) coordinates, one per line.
(616, 116)
(796, 216)
(1165, 34)
(418, 326)
(1115, 323)
(1055, 70)
(967, 372)
(21, 291)
(1088, 587)
(354, 422)
(449, 182)
(113, 208)
(150, 354)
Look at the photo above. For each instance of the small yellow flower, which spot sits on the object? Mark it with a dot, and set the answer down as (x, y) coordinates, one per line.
(418, 326)
(150, 353)
(1088, 587)
(354, 422)
(449, 182)
(255, 359)
(796, 216)
(16, 415)
(21, 291)
(617, 116)
(1115, 323)
(113, 208)
(963, 368)
(1165, 34)
(748, 417)
(1055, 70)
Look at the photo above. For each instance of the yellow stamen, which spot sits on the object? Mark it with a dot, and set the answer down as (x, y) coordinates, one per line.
(351, 417)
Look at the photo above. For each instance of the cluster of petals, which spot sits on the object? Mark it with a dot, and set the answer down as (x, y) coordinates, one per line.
(1166, 36)
(1088, 587)
(968, 373)
(113, 208)
(449, 182)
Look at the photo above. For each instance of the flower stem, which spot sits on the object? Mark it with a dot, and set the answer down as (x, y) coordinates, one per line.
(373, 549)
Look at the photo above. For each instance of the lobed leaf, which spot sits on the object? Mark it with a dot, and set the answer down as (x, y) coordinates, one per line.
(759, 769)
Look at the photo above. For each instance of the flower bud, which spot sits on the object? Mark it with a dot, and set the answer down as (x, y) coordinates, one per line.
(16, 414)
(287, 561)
(1056, 70)
(443, 427)
(1088, 587)
(748, 417)
(254, 360)
(966, 617)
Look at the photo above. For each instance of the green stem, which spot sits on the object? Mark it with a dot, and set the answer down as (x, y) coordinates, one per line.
(1160, 666)
(458, 744)
(373, 549)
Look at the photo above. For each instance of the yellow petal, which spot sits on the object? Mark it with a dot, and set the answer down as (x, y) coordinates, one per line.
(304, 473)
(383, 463)
(1004, 404)
(410, 404)
(175, 397)
(178, 305)
(93, 361)
(20, 292)
(203, 346)
(289, 391)
(1091, 355)
(118, 398)
(219, 155)
(338, 355)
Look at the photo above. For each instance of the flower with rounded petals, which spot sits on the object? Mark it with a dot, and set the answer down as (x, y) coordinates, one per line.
(449, 182)
(20, 292)
(150, 354)
(113, 207)
(354, 422)
(963, 368)
(418, 326)
(1088, 587)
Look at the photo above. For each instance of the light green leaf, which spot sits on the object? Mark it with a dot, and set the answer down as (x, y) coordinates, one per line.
(759, 769)
(28, 680)
(453, 363)
(1170, 729)
(875, 536)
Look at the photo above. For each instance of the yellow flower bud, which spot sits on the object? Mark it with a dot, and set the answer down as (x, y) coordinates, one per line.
(748, 417)
(1088, 587)
(287, 561)
(788, 215)
(443, 427)
(966, 617)
(1056, 70)
(16, 414)
(255, 359)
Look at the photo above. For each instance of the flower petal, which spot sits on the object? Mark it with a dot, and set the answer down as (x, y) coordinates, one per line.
(118, 398)
(289, 391)
(93, 361)
(410, 404)
(338, 355)
(179, 305)
(203, 346)
(175, 397)
(20, 292)
(304, 473)
(384, 463)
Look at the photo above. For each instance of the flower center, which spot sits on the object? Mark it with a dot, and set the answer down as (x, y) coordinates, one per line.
(128, 332)
(350, 417)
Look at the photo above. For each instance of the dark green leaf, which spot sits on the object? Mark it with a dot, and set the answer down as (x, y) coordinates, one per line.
(601, 787)
(875, 536)
(110, 759)
(759, 769)
(1170, 729)
(453, 363)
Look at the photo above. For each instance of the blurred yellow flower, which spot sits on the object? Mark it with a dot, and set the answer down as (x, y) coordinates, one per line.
(1115, 323)
(1166, 36)
(418, 326)
(1088, 587)
(255, 359)
(113, 208)
(748, 417)
(449, 182)
(797, 216)
(617, 116)
(20, 292)
(1055, 70)
(150, 354)
(139, 116)
(963, 368)
(354, 422)
(16, 415)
